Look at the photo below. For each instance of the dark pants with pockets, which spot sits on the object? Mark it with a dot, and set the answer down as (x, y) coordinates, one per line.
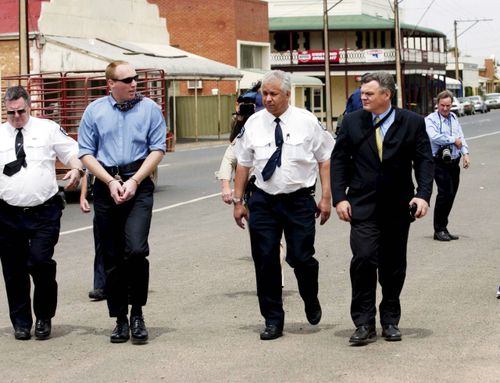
(294, 215)
(123, 238)
(447, 177)
(27, 240)
(379, 250)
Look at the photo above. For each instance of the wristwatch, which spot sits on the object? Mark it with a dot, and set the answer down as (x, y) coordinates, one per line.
(237, 200)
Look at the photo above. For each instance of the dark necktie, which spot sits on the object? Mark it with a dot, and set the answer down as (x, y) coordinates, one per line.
(13, 167)
(275, 159)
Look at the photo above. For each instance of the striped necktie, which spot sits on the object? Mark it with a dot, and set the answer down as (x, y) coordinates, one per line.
(378, 138)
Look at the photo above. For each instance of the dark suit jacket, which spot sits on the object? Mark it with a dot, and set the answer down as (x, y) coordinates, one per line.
(373, 187)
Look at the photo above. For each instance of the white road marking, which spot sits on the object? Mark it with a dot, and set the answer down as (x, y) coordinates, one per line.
(154, 211)
(481, 136)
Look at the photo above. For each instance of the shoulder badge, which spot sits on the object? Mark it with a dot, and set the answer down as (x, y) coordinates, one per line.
(63, 131)
(241, 133)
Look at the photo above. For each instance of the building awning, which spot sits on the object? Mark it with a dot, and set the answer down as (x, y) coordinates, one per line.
(176, 63)
(250, 78)
(342, 22)
(451, 83)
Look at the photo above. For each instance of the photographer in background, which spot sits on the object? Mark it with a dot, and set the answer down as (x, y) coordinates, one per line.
(448, 145)
(246, 107)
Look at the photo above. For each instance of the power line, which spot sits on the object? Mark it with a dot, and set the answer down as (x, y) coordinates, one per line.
(421, 17)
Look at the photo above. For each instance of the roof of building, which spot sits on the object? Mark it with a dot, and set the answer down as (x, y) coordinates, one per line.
(176, 63)
(341, 22)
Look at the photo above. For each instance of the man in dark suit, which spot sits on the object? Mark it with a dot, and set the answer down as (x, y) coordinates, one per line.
(371, 172)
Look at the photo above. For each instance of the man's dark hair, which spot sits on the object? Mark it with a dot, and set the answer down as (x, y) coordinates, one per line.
(384, 79)
(15, 93)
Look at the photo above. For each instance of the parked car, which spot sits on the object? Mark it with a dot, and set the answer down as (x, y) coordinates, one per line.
(492, 100)
(468, 106)
(457, 107)
(479, 104)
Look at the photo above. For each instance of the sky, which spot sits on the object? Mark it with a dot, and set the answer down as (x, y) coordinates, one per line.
(481, 41)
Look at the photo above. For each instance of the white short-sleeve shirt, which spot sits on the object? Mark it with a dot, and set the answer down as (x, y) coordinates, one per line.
(44, 140)
(305, 144)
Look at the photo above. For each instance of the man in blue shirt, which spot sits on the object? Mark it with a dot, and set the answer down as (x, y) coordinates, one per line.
(448, 145)
(122, 140)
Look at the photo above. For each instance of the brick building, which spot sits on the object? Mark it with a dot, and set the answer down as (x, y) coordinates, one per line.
(233, 32)
(9, 37)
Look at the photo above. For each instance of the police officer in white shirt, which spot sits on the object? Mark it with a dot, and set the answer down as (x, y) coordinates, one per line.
(286, 146)
(30, 210)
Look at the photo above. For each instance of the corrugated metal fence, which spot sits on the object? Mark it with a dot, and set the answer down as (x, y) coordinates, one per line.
(206, 121)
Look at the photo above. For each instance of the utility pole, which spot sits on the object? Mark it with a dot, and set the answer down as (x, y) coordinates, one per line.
(398, 54)
(326, 44)
(455, 22)
(24, 47)
(456, 50)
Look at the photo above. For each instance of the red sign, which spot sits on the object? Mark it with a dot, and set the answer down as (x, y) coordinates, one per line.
(316, 56)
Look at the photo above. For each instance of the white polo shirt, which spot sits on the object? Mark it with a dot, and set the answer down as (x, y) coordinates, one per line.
(305, 144)
(44, 140)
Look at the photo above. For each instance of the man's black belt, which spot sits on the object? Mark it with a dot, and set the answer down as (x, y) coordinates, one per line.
(124, 169)
(31, 209)
(311, 190)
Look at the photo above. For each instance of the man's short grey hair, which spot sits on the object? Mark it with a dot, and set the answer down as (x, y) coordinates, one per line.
(444, 94)
(284, 78)
(384, 79)
(16, 92)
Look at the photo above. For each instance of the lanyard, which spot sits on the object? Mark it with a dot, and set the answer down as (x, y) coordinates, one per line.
(441, 125)
(378, 124)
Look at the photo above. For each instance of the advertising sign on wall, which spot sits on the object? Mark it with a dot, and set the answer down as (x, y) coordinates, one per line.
(317, 56)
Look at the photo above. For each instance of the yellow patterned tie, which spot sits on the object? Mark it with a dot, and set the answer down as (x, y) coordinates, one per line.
(378, 138)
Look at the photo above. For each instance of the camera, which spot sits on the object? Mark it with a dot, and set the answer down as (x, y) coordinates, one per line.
(445, 154)
(246, 109)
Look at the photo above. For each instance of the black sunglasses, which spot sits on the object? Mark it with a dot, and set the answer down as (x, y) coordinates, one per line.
(13, 112)
(127, 80)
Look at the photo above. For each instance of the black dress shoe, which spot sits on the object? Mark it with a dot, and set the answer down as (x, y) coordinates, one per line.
(138, 330)
(97, 294)
(271, 332)
(22, 333)
(364, 334)
(121, 332)
(391, 333)
(313, 312)
(42, 329)
(452, 237)
(442, 236)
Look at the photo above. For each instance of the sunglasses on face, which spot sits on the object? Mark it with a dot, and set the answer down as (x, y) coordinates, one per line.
(127, 80)
(13, 112)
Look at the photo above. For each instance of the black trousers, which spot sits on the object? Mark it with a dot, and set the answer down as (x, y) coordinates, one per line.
(378, 248)
(27, 241)
(447, 177)
(123, 239)
(99, 272)
(271, 216)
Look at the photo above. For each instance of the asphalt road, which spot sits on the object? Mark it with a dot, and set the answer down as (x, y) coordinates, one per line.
(203, 314)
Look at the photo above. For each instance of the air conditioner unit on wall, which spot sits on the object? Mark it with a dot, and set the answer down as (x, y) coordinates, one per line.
(194, 84)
